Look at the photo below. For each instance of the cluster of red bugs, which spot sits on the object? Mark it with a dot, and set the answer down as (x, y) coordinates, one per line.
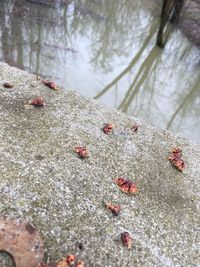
(176, 159)
(126, 239)
(125, 185)
(51, 85)
(108, 128)
(69, 261)
(116, 209)
(37, 102)
(82, 152)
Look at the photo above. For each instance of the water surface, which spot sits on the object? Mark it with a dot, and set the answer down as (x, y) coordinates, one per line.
(106, 50)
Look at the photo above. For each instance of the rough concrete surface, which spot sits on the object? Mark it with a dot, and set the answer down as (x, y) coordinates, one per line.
(43, 181)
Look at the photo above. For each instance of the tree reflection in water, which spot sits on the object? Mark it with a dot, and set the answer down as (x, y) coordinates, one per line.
(106, 50)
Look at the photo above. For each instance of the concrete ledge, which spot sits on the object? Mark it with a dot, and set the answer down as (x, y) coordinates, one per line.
(43, 180)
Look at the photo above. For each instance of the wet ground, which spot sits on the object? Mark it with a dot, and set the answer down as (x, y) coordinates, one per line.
(106, 50)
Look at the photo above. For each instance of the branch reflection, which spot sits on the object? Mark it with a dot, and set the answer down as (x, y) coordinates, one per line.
(106, 50)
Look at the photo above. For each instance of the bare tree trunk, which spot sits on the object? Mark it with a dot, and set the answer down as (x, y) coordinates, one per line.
(171, 10)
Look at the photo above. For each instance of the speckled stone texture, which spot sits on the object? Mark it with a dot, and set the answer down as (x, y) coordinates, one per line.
(43, 181)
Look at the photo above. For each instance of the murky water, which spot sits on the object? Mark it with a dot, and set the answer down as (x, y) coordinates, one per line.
(106, 50)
